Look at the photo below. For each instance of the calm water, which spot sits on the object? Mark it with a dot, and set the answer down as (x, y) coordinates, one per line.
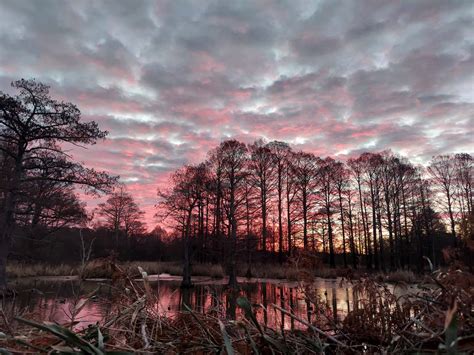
(55, 300)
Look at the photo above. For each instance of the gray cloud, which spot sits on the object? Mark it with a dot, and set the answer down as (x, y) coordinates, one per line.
(170, 79)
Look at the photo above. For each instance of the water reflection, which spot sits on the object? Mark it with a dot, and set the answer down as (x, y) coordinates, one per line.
(326, 301)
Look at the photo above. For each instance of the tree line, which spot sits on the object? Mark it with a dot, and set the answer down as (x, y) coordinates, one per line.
(377, 210)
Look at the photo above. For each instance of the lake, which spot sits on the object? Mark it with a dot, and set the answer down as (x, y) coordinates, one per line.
(59, 299)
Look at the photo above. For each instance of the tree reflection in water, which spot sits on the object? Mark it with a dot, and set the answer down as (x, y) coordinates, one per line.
(325, 301)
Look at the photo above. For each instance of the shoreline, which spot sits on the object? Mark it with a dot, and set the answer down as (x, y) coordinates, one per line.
(200, 279)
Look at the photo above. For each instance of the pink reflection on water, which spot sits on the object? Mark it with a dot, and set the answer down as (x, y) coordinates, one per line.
(330, 301)
(69, 312)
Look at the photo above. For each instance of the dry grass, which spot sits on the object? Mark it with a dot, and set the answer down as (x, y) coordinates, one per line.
(98, 269)
(269, 271)
(406, 276)
(101, 269)
(17, 270)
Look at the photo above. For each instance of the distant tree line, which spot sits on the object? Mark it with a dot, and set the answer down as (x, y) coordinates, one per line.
(377, 211)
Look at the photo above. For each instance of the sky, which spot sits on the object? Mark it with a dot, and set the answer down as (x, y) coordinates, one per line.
(170, 80)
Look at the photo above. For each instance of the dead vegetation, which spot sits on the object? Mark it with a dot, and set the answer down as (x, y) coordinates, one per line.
(100, 268)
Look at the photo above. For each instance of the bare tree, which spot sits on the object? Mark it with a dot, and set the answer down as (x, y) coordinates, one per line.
(357, 167)
(291, 194)
(179, 203)
(341, 177)
(464, 181)
(443, 171)
(280, 152)
(235, 173)
(215, 164)
(328, 194)
(261, 167)
(305, 171)
(388, 175)
(121, 214)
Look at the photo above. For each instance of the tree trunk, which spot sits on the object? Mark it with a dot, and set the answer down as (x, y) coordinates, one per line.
(288, 215)
(263, 200)
(343, 231)
(305, 222)
(7, 221)
(374, 226)
(367, 241)
(280, 221)
(233, 284)
(351, 236)
(233, 235)
(451, 219)
(364, 226)
(206, 231)
(186, 283)
(427, 224)
(407, 237)
(381, 245)
(4, 250)
(390, 233)
(332, 261)
(248, 274)
(217, 226)
(5, 242)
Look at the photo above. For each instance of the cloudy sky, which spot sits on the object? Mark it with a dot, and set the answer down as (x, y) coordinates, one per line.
(170, 79)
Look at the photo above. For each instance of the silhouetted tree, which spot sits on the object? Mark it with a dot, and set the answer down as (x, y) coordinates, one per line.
(341, 177)
(47, 207)
(234, 175)
(357, 166)
(464, 179)
(179, 203)
(443, 171)
(304, 173)
(328, 194)
(291, 194)
(261, 168)
(33, 131)
(121, 214)
(280, 153)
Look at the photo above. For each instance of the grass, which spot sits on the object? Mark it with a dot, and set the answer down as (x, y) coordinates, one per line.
(102, 269)
(17, 270)
(406, 276)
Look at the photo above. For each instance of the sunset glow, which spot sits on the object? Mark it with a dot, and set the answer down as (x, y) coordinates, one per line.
(170, 80)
